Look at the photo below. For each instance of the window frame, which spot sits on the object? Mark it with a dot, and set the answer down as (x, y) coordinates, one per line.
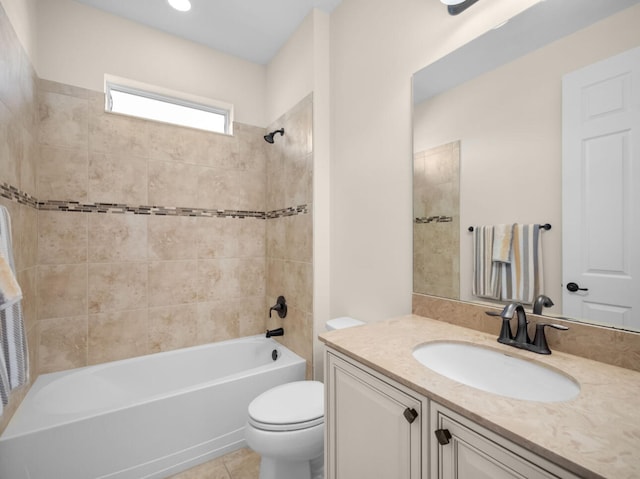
(170, 97)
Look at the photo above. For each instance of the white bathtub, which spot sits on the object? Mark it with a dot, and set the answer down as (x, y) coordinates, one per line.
(146, 417)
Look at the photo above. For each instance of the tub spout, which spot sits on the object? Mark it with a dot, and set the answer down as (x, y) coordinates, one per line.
(275, 332)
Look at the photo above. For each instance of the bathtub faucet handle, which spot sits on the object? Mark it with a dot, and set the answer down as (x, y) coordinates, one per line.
(280, 307)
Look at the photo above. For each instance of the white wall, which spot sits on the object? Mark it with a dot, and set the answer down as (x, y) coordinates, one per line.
(289, 74)
(376, 45)
(509, 122)
(22, 14)
(78, 44)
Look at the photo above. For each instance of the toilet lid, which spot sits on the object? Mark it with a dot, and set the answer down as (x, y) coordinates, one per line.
(295, 405)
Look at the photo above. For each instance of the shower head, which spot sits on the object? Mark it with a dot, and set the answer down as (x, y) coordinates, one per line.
(269, 138)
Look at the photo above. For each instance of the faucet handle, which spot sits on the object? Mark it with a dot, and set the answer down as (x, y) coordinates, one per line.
(540, 339)
(506, 336)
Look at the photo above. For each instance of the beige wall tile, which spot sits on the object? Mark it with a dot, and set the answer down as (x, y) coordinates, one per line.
(117, 286)
(62, 291)
(62, 174)
(275, 279)
(64, 120)
(173, 282)
(299, 237)
(117, 335)
(62, 237)
(62, 344)
(117, 237)
(173, 237)
(117, 134)
(175, 143)
(10, 147)
(231, 238)
(231, 190)
(298, 284)
(31, 152)
(251, 148)
(24, 226)
(223, 150)
(117, 179)
(229, 319)
(172, 327)
(173, 184)
(276, 237)
(230, 278)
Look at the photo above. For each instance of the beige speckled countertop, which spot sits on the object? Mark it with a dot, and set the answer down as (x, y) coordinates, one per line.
(596, 435)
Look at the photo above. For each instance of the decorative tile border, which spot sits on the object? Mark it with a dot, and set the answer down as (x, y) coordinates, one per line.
(12, 193)
(434, 219)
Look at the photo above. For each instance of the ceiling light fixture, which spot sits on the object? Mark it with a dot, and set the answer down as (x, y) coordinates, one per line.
(452, 2)
(180, 5)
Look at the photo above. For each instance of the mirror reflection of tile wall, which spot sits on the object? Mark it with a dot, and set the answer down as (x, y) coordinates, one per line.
(436, 227)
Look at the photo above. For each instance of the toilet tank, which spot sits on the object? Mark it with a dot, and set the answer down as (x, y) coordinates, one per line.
(342, 323)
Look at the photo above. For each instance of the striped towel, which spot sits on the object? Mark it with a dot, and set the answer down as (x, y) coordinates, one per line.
(502, 238)
(522, 278)
(14, 360)
(486, 272)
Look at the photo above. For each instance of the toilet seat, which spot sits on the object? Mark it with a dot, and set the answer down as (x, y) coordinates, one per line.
(289, 407)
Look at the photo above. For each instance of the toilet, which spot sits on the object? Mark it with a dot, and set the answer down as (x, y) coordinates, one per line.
(285, 425)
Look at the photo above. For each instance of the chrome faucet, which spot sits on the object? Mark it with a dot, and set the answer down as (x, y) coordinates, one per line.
(522, 340)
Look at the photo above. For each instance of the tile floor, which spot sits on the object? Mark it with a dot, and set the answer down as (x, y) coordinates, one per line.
(240, 464)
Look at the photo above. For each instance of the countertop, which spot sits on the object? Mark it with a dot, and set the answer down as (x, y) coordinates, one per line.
(596, 435)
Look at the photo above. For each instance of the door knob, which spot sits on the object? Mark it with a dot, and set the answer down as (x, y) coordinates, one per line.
(573, 287)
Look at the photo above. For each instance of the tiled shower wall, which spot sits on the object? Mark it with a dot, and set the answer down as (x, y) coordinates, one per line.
(18, 157)
(436, 225)
(137, 237)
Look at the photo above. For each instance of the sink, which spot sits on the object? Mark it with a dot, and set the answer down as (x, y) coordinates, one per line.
(496, 372)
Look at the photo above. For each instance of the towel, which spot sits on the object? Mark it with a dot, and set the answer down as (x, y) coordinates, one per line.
(502, 238)
(522, 278)
(486, 272)
(10, 291)
(14, 360)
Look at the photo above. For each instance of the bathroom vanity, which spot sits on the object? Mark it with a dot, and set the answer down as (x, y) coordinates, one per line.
(387, 415)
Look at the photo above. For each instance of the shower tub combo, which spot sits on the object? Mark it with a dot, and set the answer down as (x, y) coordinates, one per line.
(146, 417)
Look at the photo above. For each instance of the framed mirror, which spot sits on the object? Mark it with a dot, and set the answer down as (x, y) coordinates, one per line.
(488, 144)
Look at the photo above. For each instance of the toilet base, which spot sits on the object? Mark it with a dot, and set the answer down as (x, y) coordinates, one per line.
(271, 468)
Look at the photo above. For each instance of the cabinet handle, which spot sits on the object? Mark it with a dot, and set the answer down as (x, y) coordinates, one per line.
(443, 436)
(410, 415)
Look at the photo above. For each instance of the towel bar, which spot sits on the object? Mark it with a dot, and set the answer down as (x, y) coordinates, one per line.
(545, 226)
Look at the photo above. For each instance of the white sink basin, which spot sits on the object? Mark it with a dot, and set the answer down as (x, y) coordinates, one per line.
(495, 372)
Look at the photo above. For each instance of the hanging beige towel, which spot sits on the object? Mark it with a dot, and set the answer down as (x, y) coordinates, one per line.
(10, 291)
(503, 236)
(522, 278)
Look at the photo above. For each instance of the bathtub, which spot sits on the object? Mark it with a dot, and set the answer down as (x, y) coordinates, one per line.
(146, 417)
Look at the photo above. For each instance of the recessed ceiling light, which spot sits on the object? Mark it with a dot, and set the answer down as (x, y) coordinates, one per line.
(180, 5)
(452, 2)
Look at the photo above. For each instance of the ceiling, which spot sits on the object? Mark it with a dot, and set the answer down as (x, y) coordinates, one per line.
(253, 30)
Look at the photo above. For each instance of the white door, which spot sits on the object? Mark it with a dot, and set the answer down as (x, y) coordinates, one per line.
(601, 191)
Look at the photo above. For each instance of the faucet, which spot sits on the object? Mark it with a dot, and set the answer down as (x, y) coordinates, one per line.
(522, 335)
(275, 332)
(541, 301)
(522, 340)
(280, 307)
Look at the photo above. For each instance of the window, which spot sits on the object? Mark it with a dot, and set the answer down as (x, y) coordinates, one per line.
(150, 105)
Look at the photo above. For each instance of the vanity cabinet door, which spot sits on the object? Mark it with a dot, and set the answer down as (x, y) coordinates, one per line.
(473, 452)
(373, 428)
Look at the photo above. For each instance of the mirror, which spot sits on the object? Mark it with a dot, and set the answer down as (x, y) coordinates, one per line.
(487, 122)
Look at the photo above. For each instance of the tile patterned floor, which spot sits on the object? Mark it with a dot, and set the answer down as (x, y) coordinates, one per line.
(240, 464)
